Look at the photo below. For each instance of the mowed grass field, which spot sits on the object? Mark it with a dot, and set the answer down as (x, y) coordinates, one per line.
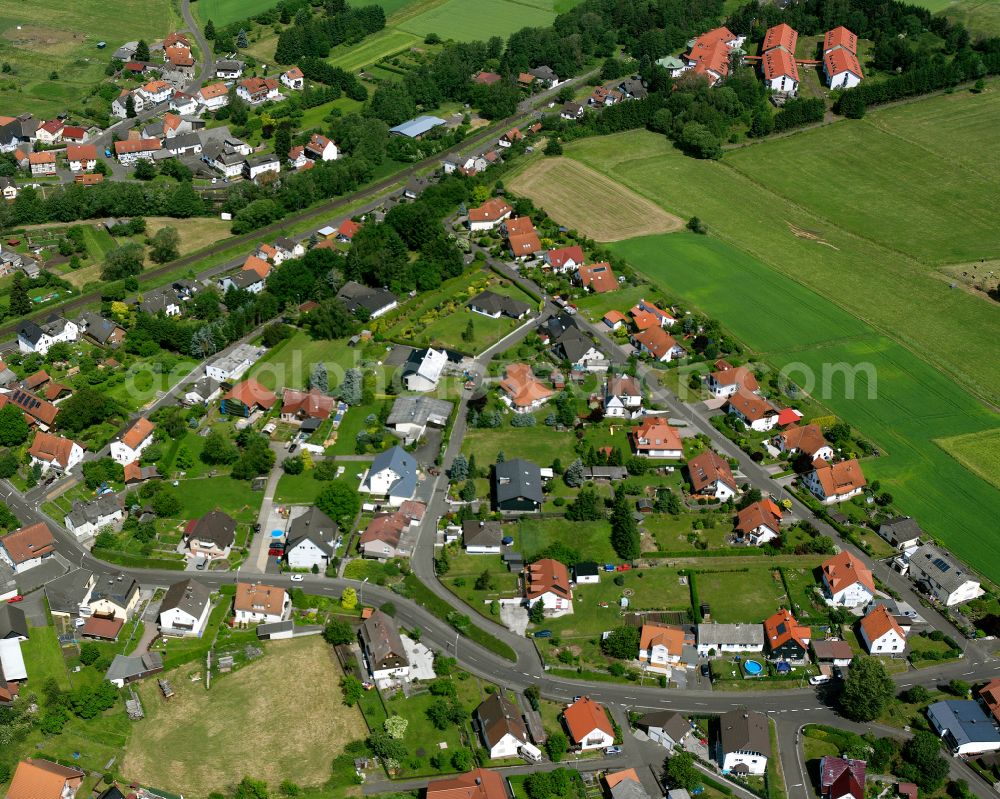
(981, 17)
(594, 204)
(472, 20)
(374, 47)
(223, 12)
(911, 404)
(198, 741)
(62, 36)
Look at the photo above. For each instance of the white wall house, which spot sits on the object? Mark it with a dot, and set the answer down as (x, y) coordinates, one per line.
(38, 338)
(947, 579)
(130, 446)
(260, 604)
(185, 609)
(847, 581)
(881, 634)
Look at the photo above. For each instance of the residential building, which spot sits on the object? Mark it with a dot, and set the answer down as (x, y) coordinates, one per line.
(202, 391)
(753, 410)
(54, 452)
(293, 79)
(380, 539)
(424, 369)
(547, 581)
(43, 163)
(841, 778)
(489, 303)
(479, 783)
(710, 475)
(655, 438)
(35, 778)
(125, 669)
(86, 519)
(49, 132)
(785, 638)
(586, 572)
(256, 603)
(233, 364)
(625, 784)
(383, 647)
(247, 397)
(184, 609)
(482, 537)
(833, 653)
(622, 397)
(130, 446)
(881, 633)
(545, 76)
(658, 344)
(781, 73)
(588, 724)
(503, 730)
(245, 280)
(598, 278)
(8, 189)
(81, 157)
(572, 111)
(184, 104)
(255, 168)
(565, 259)
(663, 319)
(660, 647)
(297, 406)
(989, 695)
(32, 337)
(99, 330)
(228, 69)
(411, 416)
(114, 595)
(130, 151)
(347, 231)
(758, 523)
(807, 439)
(161, 301)
(710, 54)
(42, 412)
(902, 532)
(726, 382)
(490, 214)
(373, 302)
(579, 351)
(522, 391)
(517, 486)
(521, 237)
(840, 59)
(68, 594)
(320, 148)
(744, 742)
(835, 482)
(258, 90)
(287, 249)
(211, 536)
(964, 726)
(27, 547)
(665, 727)
(847, 581)
(393, 475)
(214, 96)
(948, 580)
(718, 639)
(310, 541)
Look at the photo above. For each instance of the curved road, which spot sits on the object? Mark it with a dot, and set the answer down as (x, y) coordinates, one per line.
(207, 59)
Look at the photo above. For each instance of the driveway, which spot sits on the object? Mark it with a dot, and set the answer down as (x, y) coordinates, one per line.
(514, 618)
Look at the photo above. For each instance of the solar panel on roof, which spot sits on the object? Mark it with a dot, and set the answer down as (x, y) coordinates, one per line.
(942, 564)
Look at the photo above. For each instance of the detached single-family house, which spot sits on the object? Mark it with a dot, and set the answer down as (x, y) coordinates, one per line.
(744, 742)
(8, 189)
(785, 638)
(184, 104)
(28, 547)
(545, 76)
(411, 416)
(115, 595)
(665, 727)
(81, 157)
(101, 331)
(588, 724)
(482, 537)
(658, 344)
(54, 452)
(547, 581)
(383, 647)
(256, 603)
(212, 536)
(503, 730)
(653, 437)
(293, 79)
(380, 539)
(131, 151)
(847, 581)
(490, 214)
(311, 539)
(726, 382)
(806, 438)
(393, 475)
(660, 646)
(622, 397)
(255, 168)
(579, 350)
(228, 68)
(835, 482)
(320, 148)
(214, 96)
(964, 726)
(572, 111)
(753, 410)
(423, 370)
(881, 633)
(43, 163)
(840, 59)
(711, 476)
(718, 639)
(489, 303)
(517, 486)
(480, 783)
(185, 609)
(32, 337)
(522, 239)
(564, 259)
(297, 406)
(598, 278)
(35, 778)
(86, 519)
(373, 302)
(130, 446)
(258, 90)
(49, 132)
(645, 307)
(759, 523)
(902, 532)
(943, 577)
(247, 397)
(989, 695)
(521, 391)
(841, 778)
(234, 364)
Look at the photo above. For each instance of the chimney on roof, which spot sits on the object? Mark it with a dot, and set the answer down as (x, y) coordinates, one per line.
(479, 780)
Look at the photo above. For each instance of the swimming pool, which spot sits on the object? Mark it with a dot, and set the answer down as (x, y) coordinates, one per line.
(752, 667)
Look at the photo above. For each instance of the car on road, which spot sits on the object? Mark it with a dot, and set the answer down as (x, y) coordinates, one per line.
(15, 598)
(612, 751)
(705, 670)
(543, 634)
(297, 578)
(819, 679)
(107, 152)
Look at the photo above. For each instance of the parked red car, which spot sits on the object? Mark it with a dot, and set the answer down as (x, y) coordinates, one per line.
(624, 567)
(17, 598)
(277, 552)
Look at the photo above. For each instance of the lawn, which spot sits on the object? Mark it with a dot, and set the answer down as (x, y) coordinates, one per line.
(978, 16)
(224, 12)
(160, 752)
(194, 233)
(540, 444)
(591, 539)
(201, 495)
(298, 489)
(596, 205)
(289, 364)
(61, 36)
(899, 401)
(747, 596)
(43, 658)
(462, 20)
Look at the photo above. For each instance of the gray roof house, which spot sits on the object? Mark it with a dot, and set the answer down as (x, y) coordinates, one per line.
(393, 474)
(941, 575)
(482, 537)
(374, 301)
(574, 346)
(964, 726)
(311, 539)
(730, 638)
(67, 593)
(184, 607)
(86, 518)
(383, 646)
(902, 532)
(129, 668)
(517, 486)
(489, 303)
(744, 742)
(665, 727)
(13, 623)
(628, 788)
(100, 330)
(410, 416)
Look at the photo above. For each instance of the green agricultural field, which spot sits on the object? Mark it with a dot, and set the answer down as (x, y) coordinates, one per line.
(980, 452)
(913, 403)
(471, 20)
(981, 17)
(61, 37)
(872, 281)
(385, 42)
(223, 12)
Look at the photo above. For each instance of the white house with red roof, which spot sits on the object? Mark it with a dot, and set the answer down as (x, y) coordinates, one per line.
(726, 382)
(840, 59)
(710, 52)
(655, 438)
(49, 132)
(490, 214)
(42, 163)
(599, 278)
(759, 523)
(658, 344)
(588, 724)
(293, 79)
(753, 410)
(847, 581)
(54, 452)
(214, 96)
(547, 581)
(807, 438)
(622, 397)
(81, 157)
(130, 446)
(564, 259)
(320, 148)
(831, 483)
(881, 633)
(646, 307)
(711, 476)
(781, 73)
(258, 90)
